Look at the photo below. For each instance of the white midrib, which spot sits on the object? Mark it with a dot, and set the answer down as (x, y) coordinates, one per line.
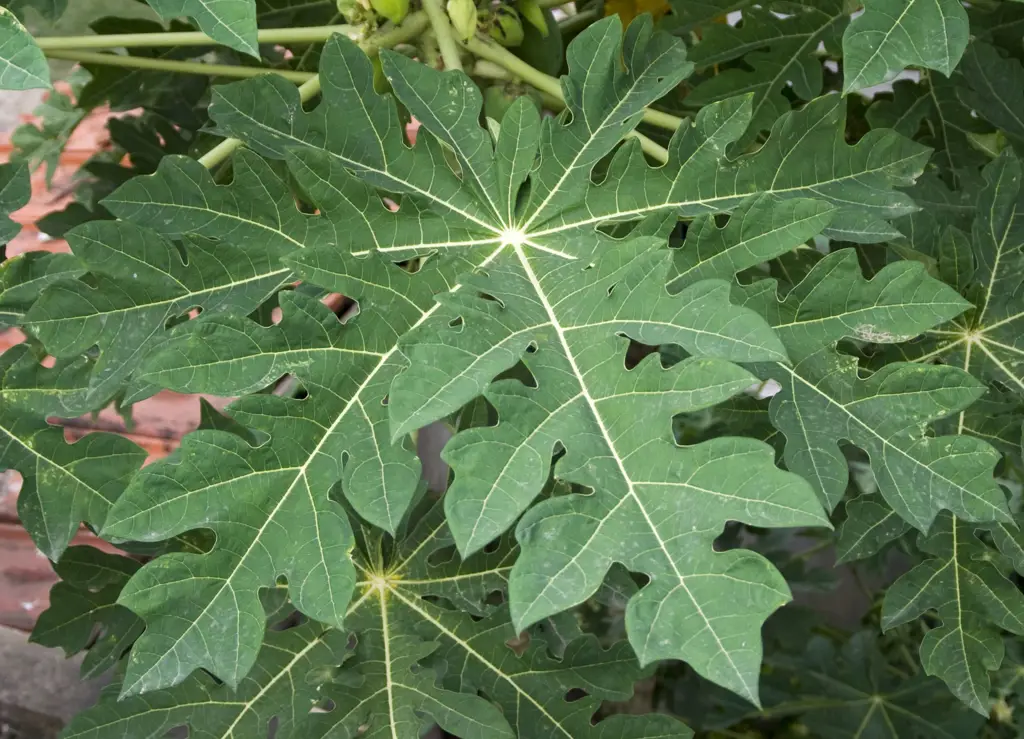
(499, 478)
(229, 732)
(286, 670)
(967, 364)
(459, 375)
(897, 23)
(990, 287)
(586, 147)
(599, 420)
(869, 529)
(301, 474)
(427, 244)
(170, 301)
(959, 603)
(885, 442)
(784, 69)
(51, 463)
(998, 362)
(388, 679)
(737, 196)
(362, 166)
(480, 658)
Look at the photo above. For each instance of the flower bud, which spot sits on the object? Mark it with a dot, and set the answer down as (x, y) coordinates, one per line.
(506, 28)
(534, 15)
(463, 17)
(394, 10)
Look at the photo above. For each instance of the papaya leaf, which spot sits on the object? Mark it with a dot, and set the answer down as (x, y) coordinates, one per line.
(86, 597)
(893, 34)
(528, 299)
(824, 399)
(62, 484)
(964, 582)
(22, 64)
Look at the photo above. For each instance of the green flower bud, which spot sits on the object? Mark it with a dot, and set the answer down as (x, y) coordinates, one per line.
(394, 10)
(463, 16)
(351, 10)
(506, 27)
(534, 15)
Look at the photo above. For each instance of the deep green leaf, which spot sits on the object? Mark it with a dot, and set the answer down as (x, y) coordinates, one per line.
(63, 484)
(779, 43)
(995, 91)
(989, 341)
(230, 22)
(853, 693)
(521, 301)
(824, 400)
(86, 597)
(893, 34)
(488, 682)
(139, 282)
(22, 64)
(966, 587)
(289, 674)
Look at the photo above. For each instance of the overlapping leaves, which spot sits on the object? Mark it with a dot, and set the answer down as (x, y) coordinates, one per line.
(989, 341)
(486, 266)
(825, 400)
(404, 660)
(840, 692)
(779, 44)
(522, 274)
(965, 583)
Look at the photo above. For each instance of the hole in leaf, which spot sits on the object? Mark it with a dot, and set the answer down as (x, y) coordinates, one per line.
(519, 644)
(441, 556)
(519, 371)
(732, 537)
(637, 352)
(492, 298)
(575, 694)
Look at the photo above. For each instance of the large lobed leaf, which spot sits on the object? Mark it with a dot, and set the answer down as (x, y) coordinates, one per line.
(519, 308)
(825, 400)
(410, 662)
(989, 341)
(491, 269)
(965, 583)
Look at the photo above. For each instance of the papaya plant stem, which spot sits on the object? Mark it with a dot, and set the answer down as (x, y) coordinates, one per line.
(413, 25)
(172, 65)
(492, 70)
(578, 21)
(443, 31)
(309, 34)
(307, 91)
(493, 52)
